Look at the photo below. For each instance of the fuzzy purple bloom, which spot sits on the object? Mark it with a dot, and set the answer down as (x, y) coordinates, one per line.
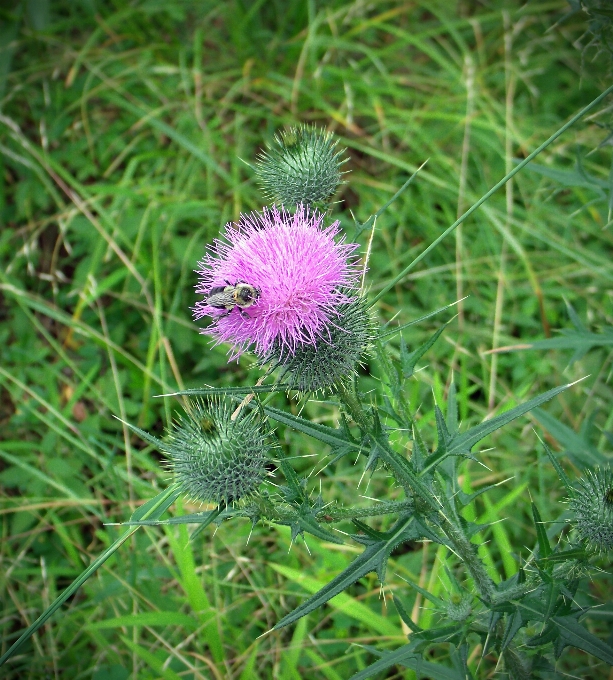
(298, 268)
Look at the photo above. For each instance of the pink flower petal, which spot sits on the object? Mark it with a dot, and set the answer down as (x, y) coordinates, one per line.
(299, 269)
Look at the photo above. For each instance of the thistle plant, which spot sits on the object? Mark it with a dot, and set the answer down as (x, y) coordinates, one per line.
(309, 325)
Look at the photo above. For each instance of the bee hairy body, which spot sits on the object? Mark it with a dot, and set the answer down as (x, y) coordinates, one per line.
(241, 295)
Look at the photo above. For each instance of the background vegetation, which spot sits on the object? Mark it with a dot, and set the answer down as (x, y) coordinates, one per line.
(126, 133)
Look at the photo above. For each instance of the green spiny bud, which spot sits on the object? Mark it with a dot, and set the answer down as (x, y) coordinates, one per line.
(335, 355)
(217, 459)
(592, 502)
(301, 166)
(459, 607)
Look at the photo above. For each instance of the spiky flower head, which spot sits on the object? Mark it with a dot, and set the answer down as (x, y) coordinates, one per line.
(321, 365)
(297, 265)
(592, 502)
(301, 166)
(217, 459)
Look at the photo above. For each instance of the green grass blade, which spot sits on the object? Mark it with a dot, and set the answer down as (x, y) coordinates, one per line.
(77, 583)
(156, 618)
(492, 191)
(157, 665)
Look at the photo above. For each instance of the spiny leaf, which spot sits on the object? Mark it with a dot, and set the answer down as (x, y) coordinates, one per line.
(407, 657)
(410, 359)
(514, 623)
(404, 615)
(211, 391)
(565, 556)
(465, 441)
(386, 333)
(372, 559)
(154, 441)
(558, 468)
(573, 633)
(307, 522)
(323, 433)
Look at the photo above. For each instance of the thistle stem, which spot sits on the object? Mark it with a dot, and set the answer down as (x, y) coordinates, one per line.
(350, 400)
(415, 486)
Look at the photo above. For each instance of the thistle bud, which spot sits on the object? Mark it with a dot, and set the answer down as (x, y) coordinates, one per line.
(592, 502)
(217, 459)
(332, 357)
(459, 607)
(302, 166)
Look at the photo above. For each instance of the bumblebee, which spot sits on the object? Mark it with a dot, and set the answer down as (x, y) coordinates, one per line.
(241, 295)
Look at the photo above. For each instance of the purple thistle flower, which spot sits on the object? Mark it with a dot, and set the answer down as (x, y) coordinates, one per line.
(297, 267)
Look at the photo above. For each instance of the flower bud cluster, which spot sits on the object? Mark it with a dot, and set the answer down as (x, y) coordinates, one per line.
(283, 284)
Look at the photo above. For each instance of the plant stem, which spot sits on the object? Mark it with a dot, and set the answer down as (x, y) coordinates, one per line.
(415, 486)
(349, 398)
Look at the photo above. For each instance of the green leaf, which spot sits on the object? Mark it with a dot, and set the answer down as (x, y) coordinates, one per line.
(342, 602)
(407, 657)
(558, 468)
(576, 635)
(373, 558)
(323, 433)
(409, 360)
(309, 524)
(427, 594)
(514, 623)
(197, 518)
(154, 441)
(464, 442)
(565, 556)
(404, 615)
(154, 508)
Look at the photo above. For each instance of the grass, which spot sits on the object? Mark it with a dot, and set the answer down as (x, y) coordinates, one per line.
(126, 133)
